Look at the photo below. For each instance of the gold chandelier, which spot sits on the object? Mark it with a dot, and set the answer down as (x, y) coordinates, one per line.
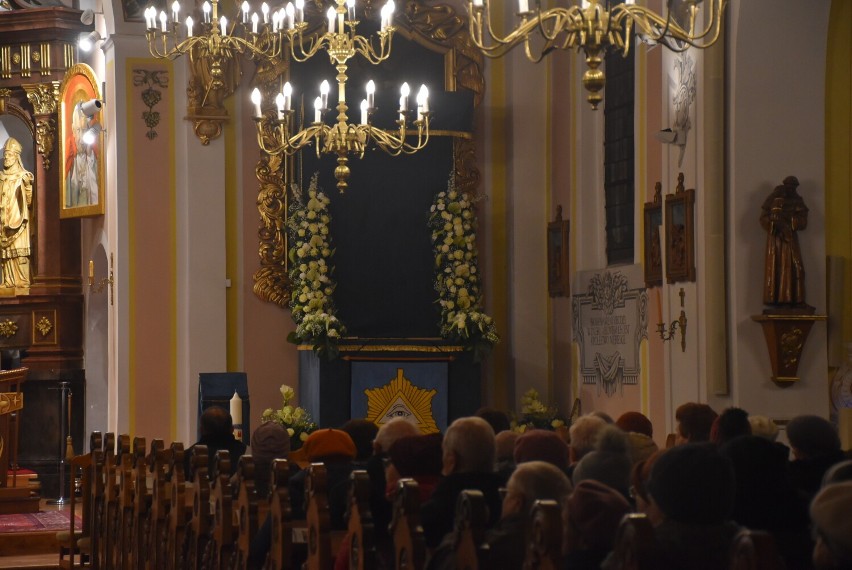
(283, 135)
(594, 26)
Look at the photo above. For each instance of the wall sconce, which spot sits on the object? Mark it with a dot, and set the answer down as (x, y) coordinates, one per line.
(87, 41)
(680, 322)
(91, 135)
(91, 107)
(99, 286)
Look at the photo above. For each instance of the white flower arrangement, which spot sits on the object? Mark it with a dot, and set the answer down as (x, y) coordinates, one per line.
(296, 420)
(536, 415)
(453, 223)
(311, 284)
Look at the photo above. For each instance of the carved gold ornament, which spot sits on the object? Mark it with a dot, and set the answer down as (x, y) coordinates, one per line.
(791, 346)
(44, 326)
(8, 328)
(44, 97)
(399, 398)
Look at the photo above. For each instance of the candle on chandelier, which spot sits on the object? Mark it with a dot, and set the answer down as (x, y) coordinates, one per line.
(350, 10)
(148, 17)
(403, 99)
(276, 19)
(422, 101)
(330, 16)
(254, 20)
(264, 8)
(175, 10)
(163, 20)
(223, 22)
(477, 3)
(371, 94)
(189, 23)
(288, 92)
(300, 11)
(364, 113)
(523, 6)
(245, 6)
(206, 9)
(391, 7)
(279, 103)
(291, 16)
(324, 89)
(317, 110)
(255, 98)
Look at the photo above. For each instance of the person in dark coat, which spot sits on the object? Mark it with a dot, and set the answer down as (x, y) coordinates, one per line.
(816, 447)
(217, 432)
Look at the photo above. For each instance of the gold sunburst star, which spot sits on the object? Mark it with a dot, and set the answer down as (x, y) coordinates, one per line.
(401, 398)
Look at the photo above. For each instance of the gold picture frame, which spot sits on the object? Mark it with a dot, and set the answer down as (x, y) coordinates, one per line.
(680, 234)
(653, 250)
(558, 284)
(81, 175)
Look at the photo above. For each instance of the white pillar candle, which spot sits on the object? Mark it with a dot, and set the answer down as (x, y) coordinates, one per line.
(364, 113)
(237, 415)
(317, 110)
(255, 98)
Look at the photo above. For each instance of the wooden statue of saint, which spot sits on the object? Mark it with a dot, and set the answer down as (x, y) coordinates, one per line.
(783, 214)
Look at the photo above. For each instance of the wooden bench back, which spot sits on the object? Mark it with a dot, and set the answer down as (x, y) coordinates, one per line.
(362, 542)
(318, 519)
(281, 553)
(755, 550)
(409, 543)
(471, 522)
(544, 546)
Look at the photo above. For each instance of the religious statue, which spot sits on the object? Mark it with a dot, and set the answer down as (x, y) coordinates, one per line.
(16, 196)
(783, 214)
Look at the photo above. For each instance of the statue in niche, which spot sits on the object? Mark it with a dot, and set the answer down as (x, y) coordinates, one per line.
(16, 196)
(783, 214)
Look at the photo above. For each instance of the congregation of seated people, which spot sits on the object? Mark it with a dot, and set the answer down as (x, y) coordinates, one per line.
(721, 493)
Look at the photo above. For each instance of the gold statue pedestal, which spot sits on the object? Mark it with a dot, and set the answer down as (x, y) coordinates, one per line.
(786, 330)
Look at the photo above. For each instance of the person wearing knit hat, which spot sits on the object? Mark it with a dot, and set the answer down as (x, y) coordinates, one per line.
(591, 517)
(609, 463)
(635, 422)
(830, 514)
(324, 445)
(415, 457)
(269, 441)
(542, 445)
(693, 486)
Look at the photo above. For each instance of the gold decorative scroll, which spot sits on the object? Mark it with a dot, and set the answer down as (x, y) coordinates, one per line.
(11, 402)
(44, 326)
(8, 328)
(212, 80)
(44, 98)
(270, 280)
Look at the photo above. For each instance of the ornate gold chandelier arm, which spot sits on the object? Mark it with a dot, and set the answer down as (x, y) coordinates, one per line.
(663, 30)
(366, 48)
(278, 141)
(395, 143)
(314, 44)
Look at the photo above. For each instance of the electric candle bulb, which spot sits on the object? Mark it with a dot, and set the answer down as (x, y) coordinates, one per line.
(276, 17)
(324, 89)
(245, 8)
(223, 22)
(265, 9)
(350, 9)
(403, 99)
(288, 92)
(206, 9)
(291, 16)
(390, 7)
(279, 103)
(371, 94)
(586, 4)
(330, 15)
(423, 100)
(523, 6)
(254, 20)
(477, 3)
(317, 110)
(163, 20)
(300, 11)
(175, 10)
(364, 113)
(189, 23)
(255, 98)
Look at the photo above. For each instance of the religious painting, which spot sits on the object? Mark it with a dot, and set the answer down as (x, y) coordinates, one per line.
(653, 232)
(680, 234)
(557, 256)
(81, 176)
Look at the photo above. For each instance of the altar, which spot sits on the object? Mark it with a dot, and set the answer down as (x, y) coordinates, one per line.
(14, 498)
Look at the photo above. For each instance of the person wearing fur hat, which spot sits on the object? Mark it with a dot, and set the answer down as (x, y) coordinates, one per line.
(693, 487)
(269, 441)
(832, 523)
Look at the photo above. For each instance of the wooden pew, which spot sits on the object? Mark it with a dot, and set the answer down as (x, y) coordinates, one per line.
(223, 531)
(74, 545)
(247, 510)
(408, 542)
(755, 550)
(137, 550)
(156, 538)
(361, 537)
(110, 496)
(471, 522)
(97, 500)
(544, 549)
(122, 537)
(636, 547)
(281, 552)
(180, 513)
(198, 530)
(320, 556)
